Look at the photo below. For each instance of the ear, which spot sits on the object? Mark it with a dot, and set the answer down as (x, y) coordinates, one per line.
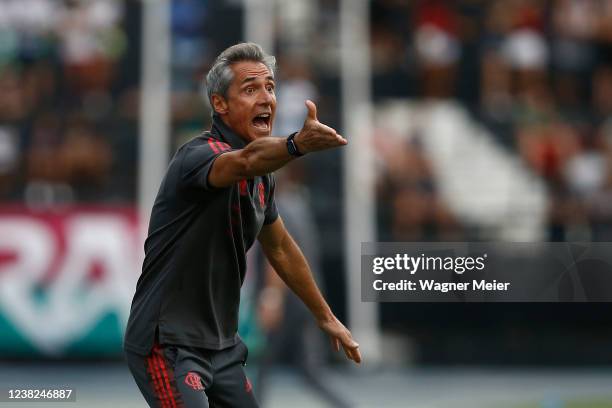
(219, 104)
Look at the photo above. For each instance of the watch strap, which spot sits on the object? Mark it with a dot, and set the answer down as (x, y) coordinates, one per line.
(292, 146)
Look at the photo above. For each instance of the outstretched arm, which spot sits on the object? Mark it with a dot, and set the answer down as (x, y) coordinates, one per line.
(267, 154)
(289, 263)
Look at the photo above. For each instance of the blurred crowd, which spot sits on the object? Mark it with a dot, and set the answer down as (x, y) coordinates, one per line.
(537, 73)
(70, 75)
(67, 111)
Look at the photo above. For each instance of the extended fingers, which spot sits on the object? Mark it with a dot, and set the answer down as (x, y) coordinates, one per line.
(320, 127)
(357, 356)
(352, 352)
(351, 349)
(335, 343)
(331, 132)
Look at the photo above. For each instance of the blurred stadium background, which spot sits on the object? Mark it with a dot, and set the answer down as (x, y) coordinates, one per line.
(468, 120)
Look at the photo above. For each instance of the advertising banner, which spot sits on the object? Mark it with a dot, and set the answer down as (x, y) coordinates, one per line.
(67, 277)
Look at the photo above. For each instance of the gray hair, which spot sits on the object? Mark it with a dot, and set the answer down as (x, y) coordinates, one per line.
(220, 76)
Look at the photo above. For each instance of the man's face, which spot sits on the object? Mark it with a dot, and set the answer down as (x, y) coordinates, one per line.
(251, 103)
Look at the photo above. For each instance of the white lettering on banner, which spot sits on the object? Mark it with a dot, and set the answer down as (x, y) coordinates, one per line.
(74, 302)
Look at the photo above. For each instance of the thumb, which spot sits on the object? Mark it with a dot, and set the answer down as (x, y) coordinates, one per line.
(312, 110)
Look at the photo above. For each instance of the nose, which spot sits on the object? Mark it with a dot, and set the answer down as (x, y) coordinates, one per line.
(266, 98)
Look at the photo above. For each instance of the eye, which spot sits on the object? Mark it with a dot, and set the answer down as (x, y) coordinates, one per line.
(270, 88)
(249, 90)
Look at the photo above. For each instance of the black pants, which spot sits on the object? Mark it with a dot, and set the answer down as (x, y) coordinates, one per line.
(172, 376)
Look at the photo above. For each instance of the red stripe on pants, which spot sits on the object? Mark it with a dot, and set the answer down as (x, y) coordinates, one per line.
(155, 376)
(166, 379)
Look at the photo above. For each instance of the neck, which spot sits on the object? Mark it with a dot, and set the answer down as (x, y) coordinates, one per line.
(226, 131)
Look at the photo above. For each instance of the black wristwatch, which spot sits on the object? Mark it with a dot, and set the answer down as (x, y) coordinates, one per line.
(292, 146)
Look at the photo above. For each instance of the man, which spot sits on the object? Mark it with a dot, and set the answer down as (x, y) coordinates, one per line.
(216, 198)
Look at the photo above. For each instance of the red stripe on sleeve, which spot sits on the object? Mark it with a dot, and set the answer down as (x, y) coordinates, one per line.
(222, 146)
(212, 146)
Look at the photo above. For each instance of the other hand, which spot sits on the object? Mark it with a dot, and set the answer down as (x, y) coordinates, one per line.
(341, 336)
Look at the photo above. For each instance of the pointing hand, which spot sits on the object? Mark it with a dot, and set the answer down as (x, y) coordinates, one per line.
(314, 135)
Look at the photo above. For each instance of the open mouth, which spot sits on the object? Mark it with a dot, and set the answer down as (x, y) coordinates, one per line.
(262, 121)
